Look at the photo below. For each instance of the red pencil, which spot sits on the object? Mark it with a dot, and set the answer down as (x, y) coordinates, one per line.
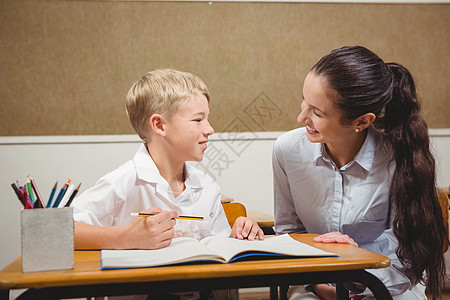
(25, 199)
(39, 204)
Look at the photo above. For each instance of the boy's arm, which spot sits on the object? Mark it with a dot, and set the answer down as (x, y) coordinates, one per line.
(142, 233)
(246, 228)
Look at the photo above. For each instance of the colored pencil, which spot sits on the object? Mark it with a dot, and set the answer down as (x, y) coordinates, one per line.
(25, 198)
(67, 195)
(61, 193)
(22, 200)
(52, 194)
(73, 196)
(38, 195)
(30, 189)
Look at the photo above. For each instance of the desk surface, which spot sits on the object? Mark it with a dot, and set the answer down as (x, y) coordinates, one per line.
(263, 219)
(87, 268)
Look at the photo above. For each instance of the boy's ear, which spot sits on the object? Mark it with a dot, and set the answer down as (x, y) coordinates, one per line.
(363, 121)
(157, 124)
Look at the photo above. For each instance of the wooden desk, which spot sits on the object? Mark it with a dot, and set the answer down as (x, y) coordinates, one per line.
(263, 219)
(86, 279)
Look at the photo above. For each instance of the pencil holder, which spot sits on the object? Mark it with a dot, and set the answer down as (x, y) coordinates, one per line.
(47, 239)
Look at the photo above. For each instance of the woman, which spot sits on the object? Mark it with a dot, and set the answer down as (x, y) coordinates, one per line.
(361, 171)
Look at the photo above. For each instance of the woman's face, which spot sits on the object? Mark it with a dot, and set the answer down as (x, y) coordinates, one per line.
(320, 115)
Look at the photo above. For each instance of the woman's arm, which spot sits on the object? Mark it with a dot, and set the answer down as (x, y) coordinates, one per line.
(286, 219)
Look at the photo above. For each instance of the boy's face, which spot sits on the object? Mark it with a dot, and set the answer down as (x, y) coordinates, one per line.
(188, 130)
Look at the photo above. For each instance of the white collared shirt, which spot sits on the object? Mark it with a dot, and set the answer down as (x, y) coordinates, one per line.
(313, 195)
(138, 185)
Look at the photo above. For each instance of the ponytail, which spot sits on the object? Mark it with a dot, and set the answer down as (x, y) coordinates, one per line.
(418, 223)
(365, 84)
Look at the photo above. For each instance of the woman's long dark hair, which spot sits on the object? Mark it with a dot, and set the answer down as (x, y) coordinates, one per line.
(365, 84)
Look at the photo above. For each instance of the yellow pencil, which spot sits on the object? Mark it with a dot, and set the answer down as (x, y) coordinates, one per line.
(179, 217)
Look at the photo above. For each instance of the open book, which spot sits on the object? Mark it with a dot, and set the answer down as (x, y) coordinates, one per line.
(210, 249)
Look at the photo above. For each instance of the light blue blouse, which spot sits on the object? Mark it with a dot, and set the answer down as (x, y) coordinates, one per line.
(313, 195)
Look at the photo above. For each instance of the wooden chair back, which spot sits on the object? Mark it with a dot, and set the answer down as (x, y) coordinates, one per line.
(443, 201)
(234, 210)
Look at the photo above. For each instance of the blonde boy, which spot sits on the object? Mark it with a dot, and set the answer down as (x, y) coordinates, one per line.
(169, 111)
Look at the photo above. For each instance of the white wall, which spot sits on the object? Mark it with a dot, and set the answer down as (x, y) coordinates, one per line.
(240, 162)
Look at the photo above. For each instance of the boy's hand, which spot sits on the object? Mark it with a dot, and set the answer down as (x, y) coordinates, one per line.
(246, 228)
(152, 232)
(335, 237)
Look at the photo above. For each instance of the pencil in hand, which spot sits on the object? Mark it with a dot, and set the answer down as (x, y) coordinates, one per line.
(141, 214)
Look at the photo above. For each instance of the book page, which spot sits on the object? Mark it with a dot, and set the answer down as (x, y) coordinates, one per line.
(182, 249)
(283, 244)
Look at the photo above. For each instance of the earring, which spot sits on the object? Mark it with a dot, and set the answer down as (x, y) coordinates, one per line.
(356, 130)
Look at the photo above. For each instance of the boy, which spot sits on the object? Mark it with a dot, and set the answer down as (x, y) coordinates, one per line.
(169, 111)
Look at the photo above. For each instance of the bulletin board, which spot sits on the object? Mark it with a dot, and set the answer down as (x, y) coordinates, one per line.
(66, 66)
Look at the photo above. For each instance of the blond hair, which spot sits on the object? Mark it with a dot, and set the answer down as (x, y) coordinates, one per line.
(160, 92)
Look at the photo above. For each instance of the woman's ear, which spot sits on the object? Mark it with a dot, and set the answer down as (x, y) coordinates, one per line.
(364, 121)
(157, 124)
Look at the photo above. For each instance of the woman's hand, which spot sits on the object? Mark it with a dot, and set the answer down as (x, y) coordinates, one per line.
(335, 237)
(246, 228)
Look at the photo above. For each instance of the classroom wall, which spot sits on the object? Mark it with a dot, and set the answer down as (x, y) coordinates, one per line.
(240, 163)
(67, 65)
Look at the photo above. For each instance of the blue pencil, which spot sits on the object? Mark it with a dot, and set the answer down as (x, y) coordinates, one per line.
(52, 194)
(61, 193)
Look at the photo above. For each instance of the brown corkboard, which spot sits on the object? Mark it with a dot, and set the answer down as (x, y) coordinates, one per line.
(66, 66)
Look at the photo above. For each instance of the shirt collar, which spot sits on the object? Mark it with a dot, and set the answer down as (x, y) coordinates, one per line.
(364, 157)
(192, 180)
(367, 152)
(145, 166)
(319, 152)
(147, 170)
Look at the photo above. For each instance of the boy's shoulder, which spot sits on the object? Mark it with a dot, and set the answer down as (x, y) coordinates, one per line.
(122, 172)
